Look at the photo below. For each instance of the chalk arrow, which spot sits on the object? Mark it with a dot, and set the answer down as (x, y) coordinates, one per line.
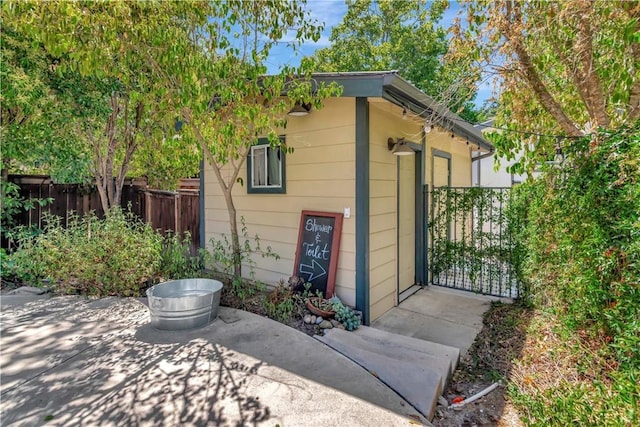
(311, 270)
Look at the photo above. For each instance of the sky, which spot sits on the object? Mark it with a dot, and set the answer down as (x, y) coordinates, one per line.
(331, 13)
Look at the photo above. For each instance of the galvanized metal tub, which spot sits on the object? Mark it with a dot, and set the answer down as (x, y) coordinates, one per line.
(184, 304)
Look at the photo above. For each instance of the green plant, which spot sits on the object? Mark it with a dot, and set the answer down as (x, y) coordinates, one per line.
(580, 227)
(321, 303)
(177, 262)
(222, 261)
(12, 204)
(345, 315)
(116, 255)
(280, 304)
(222, 252)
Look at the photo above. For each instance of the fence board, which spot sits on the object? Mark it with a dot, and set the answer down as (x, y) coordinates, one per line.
(164, 210)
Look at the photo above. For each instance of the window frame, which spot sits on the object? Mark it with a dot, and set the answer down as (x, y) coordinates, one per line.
(282, 189)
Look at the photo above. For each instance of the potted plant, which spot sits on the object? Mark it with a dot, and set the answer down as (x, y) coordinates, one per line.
(320, 307)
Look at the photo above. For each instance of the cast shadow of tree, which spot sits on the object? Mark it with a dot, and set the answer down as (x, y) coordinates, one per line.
(118, 378)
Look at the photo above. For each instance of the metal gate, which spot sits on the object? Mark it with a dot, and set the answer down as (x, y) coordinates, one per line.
(471, 243)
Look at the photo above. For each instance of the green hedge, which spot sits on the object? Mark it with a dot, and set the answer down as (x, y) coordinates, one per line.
(582, 238)
(580, 227)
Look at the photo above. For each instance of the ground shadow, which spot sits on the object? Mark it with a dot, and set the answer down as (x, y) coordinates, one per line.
(71, 364)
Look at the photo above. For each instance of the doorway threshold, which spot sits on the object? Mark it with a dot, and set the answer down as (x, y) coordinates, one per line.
(408, 292)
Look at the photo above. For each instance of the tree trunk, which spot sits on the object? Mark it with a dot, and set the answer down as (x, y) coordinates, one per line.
(235, 240)
(110, 186)
(226, 187)
(510, 30)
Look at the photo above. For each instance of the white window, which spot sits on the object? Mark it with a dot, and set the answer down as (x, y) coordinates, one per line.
(265, 169)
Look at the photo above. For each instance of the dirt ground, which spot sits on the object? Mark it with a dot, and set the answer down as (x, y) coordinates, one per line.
(489, 360)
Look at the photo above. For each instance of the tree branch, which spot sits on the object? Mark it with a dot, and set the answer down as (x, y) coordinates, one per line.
(529, 71)
(587, 80)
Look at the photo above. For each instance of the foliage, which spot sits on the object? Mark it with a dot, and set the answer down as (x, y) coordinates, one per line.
(12, 204)
(177, 262)
(581, 231)
(223, 261)
(348, 317)
(31, 113)
(472, 234)
(377, 35)
(282, 303)
(580, 74)
(321, 303)
(114, 256)
(135, 68)
(222, 252)
(110, 98)
(219, 88)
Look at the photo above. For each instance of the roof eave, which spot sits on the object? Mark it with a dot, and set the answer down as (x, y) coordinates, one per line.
(401, 92)
(390, 86)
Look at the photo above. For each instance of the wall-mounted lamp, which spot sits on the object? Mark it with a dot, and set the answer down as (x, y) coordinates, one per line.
(404, 113)
(399, 148)
(300, 110)
(427, 127)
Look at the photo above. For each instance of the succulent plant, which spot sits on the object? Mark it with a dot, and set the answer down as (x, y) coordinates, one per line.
(349, 318)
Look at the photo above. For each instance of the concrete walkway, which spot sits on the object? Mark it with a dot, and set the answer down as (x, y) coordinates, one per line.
(74, 361)
(415, 347)
(440, 315)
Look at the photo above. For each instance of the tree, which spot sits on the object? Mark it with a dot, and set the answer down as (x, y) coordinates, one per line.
(225, 99)
(400, 35)
(203, 63)
(115, 98)
(565, 69)
(31, 113)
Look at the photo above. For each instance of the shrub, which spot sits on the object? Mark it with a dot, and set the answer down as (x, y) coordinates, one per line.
(177, 262)
(114, 256)
(582, 232)
(580, 226)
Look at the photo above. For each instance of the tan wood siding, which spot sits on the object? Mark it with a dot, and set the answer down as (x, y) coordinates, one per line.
(460, 156)
(385, 122)
(320, 176)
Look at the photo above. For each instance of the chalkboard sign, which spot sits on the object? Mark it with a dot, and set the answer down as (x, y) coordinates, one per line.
(317, 250)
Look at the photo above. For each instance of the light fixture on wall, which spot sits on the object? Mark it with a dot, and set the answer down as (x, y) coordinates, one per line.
(399, 148)
(427, 127)
(404, 113)
(300, 110)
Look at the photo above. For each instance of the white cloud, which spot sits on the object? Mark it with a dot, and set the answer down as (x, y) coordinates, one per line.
(330, 12)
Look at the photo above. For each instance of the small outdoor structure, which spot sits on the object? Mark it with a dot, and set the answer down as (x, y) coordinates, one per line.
(184, 304)
(371, 156)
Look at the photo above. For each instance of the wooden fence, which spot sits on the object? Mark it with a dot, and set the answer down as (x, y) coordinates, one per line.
(176, 211)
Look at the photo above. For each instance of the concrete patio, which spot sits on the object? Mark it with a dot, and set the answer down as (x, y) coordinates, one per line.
(75, 361)
(72, 361)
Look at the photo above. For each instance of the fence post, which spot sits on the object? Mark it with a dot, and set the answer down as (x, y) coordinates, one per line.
(147, 206)
(177, 211)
